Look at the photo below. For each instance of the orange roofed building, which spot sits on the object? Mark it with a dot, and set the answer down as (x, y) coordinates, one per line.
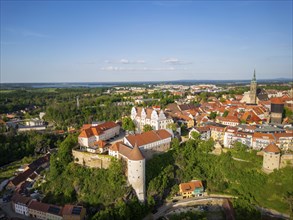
(191, 189)
(151, 140)
(91, 135)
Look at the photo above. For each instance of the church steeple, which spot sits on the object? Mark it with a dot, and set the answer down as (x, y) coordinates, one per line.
(254, 77)
(252, 93)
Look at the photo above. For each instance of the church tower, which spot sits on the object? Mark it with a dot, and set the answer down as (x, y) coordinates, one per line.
(252, 93)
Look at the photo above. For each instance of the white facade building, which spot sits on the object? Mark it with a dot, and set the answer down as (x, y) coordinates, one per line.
(90, 136)
(148, 116)
(228, 136)
(20, 204)
(150, 140)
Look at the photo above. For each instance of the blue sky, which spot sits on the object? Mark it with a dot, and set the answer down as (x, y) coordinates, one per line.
(86, 41)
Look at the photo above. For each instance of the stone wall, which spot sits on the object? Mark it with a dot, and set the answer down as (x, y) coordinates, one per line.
(286, 160)
(91, 160)
(149, 153)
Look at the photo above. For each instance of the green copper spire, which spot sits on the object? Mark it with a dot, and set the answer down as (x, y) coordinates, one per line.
(254, 78)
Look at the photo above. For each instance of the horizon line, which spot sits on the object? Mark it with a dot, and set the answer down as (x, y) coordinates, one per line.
(178, 80)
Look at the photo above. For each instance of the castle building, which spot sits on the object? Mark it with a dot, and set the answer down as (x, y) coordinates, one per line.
(148, 116)
(135, 149)
(271, 158)
(91, 135)
(150, 142)
(135, 166)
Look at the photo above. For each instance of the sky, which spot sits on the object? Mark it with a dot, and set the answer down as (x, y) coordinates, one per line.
(110, 41)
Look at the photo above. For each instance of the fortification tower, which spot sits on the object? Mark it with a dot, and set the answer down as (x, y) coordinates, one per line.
(136, 172)
(271, 158)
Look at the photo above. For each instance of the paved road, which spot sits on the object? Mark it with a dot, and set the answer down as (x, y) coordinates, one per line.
(168, 206)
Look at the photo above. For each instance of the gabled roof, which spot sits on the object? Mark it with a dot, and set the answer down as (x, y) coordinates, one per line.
(266, 136)
(70, 210)
(97, 130)
(283, 135)
(148, 137)
(39, 206)
(185, 107)
(17, 198)
(272, 148)
(100, 143)
(190, 186)
(128, 152)
(202, 129)
(22, 177)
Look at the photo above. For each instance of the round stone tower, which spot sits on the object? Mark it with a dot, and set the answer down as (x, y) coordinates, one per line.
(136, 172)
(271, 158)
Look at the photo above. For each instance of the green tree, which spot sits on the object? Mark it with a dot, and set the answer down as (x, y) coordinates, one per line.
(147, 128)
(226, 112)
(172, 126)
(128, 124)
(213, 115)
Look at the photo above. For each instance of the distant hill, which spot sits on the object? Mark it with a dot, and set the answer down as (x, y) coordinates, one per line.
(136, 83)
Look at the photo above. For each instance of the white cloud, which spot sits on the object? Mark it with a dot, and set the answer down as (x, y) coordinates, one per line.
(119, 68)
(126, 61)
(175, 61)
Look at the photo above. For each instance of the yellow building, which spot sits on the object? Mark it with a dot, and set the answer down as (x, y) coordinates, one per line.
(191, 189)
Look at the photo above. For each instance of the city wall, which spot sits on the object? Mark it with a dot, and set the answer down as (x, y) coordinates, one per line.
(91, 160)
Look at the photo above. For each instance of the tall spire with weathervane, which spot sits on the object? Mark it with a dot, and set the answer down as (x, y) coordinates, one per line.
(252, 93)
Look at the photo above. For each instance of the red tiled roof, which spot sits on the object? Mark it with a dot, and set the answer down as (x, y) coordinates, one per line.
(39, 206)
(190, 186)
(148, 137)
(17, 198)
(100, 143)
(67, 209)
(272, 148)
(202, 129)
(115, 146)
(135, 154)
(265, 136)
(277, 101)
(283, 135)
(126, 151)
(97, 130)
